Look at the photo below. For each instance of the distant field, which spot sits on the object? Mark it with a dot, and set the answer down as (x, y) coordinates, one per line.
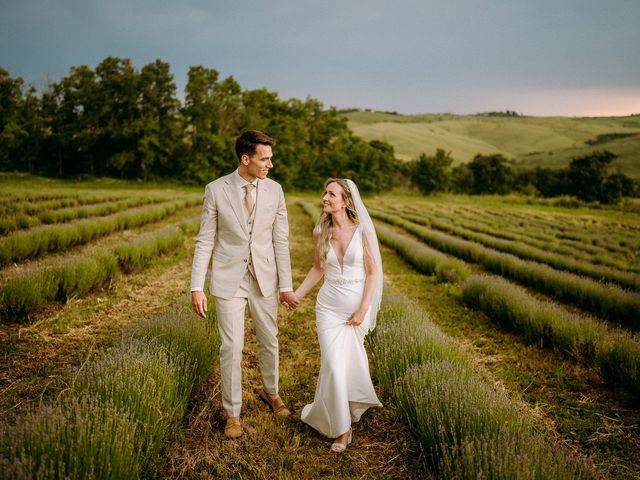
(530, 141)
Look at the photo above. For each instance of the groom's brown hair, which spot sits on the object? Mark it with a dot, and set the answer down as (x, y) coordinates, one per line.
(247, 142)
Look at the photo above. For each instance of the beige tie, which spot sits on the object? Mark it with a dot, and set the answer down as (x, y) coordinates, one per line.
(248, 199)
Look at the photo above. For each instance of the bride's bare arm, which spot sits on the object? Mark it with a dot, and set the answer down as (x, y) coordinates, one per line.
(357, 317)
(315, 273)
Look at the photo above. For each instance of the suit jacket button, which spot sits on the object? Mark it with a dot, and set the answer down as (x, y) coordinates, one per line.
(245, 260)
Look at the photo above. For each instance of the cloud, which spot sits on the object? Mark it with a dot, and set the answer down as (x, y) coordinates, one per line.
(407, 55)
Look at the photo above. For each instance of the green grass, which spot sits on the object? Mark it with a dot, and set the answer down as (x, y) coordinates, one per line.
(530, 141)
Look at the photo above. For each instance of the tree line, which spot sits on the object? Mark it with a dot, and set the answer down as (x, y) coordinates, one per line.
(588, 177)
(115, 120)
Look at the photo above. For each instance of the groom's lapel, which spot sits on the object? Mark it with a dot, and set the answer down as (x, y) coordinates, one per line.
(234, 201)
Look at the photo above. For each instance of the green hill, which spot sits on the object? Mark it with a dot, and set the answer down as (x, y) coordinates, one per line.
(529, 141)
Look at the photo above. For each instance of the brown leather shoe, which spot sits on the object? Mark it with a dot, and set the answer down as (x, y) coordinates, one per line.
(277, 406)
(233, 429)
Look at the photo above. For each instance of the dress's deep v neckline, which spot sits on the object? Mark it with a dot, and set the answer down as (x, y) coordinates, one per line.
(341, 263)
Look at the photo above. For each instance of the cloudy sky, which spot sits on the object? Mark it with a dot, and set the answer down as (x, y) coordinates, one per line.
(537, 57)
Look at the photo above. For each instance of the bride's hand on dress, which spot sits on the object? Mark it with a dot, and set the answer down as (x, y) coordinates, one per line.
(356, 318)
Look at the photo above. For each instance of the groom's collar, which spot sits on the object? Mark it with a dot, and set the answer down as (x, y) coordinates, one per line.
(241, 182)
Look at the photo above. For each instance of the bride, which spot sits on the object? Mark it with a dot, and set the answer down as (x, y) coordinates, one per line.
(347, 254)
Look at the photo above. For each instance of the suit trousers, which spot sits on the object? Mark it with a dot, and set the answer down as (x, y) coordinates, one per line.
(230, 317)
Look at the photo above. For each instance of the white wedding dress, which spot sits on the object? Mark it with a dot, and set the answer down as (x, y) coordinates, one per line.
(344, 390)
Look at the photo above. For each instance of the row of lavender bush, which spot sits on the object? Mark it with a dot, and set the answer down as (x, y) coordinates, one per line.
(612, 236)
(24, 295)
(15, 199)
(616, 353)
(607, 301)
(55, 238)
(530, 234)
(120, 409)
(466, 427)
(10, 223)
(563, 262)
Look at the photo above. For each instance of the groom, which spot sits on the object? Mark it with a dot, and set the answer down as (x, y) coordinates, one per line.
(244, 225)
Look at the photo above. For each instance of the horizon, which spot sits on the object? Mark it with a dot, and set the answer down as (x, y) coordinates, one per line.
(42, 84)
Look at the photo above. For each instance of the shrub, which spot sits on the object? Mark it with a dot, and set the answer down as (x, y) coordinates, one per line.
(465, 427)
(406, 337)
(143, 379)
(75, 437)
(423, 258)
(121, 408)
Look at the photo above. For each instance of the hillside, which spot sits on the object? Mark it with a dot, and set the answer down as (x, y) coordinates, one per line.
(529, 141)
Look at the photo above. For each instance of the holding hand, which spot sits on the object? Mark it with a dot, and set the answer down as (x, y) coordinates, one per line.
(289, 300)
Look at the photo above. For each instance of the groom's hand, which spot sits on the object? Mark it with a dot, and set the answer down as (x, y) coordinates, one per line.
(289, 300)
(199, 302)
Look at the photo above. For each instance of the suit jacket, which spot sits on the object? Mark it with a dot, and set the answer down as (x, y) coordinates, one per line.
(224, 232)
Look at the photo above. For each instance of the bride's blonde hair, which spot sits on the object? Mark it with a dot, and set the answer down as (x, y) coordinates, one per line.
(325, 222)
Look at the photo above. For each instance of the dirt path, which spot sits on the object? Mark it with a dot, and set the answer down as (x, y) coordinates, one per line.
(287, 449)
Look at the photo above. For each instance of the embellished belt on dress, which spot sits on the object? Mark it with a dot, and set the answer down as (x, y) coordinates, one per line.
(343, 280)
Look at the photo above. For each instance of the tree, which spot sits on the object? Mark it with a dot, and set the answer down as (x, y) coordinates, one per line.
(117, 93)
(19, 126)
(158, 122)
(587, 176)
(118, 121)
(491, 174)
(432, 173)
(548, 182)
(77, 110)
(462, 179)
(208, 154)
(615, 187)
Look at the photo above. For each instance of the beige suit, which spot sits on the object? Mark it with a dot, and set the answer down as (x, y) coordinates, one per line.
(250, 265)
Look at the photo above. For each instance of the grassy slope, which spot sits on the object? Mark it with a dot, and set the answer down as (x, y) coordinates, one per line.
(531, 141)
